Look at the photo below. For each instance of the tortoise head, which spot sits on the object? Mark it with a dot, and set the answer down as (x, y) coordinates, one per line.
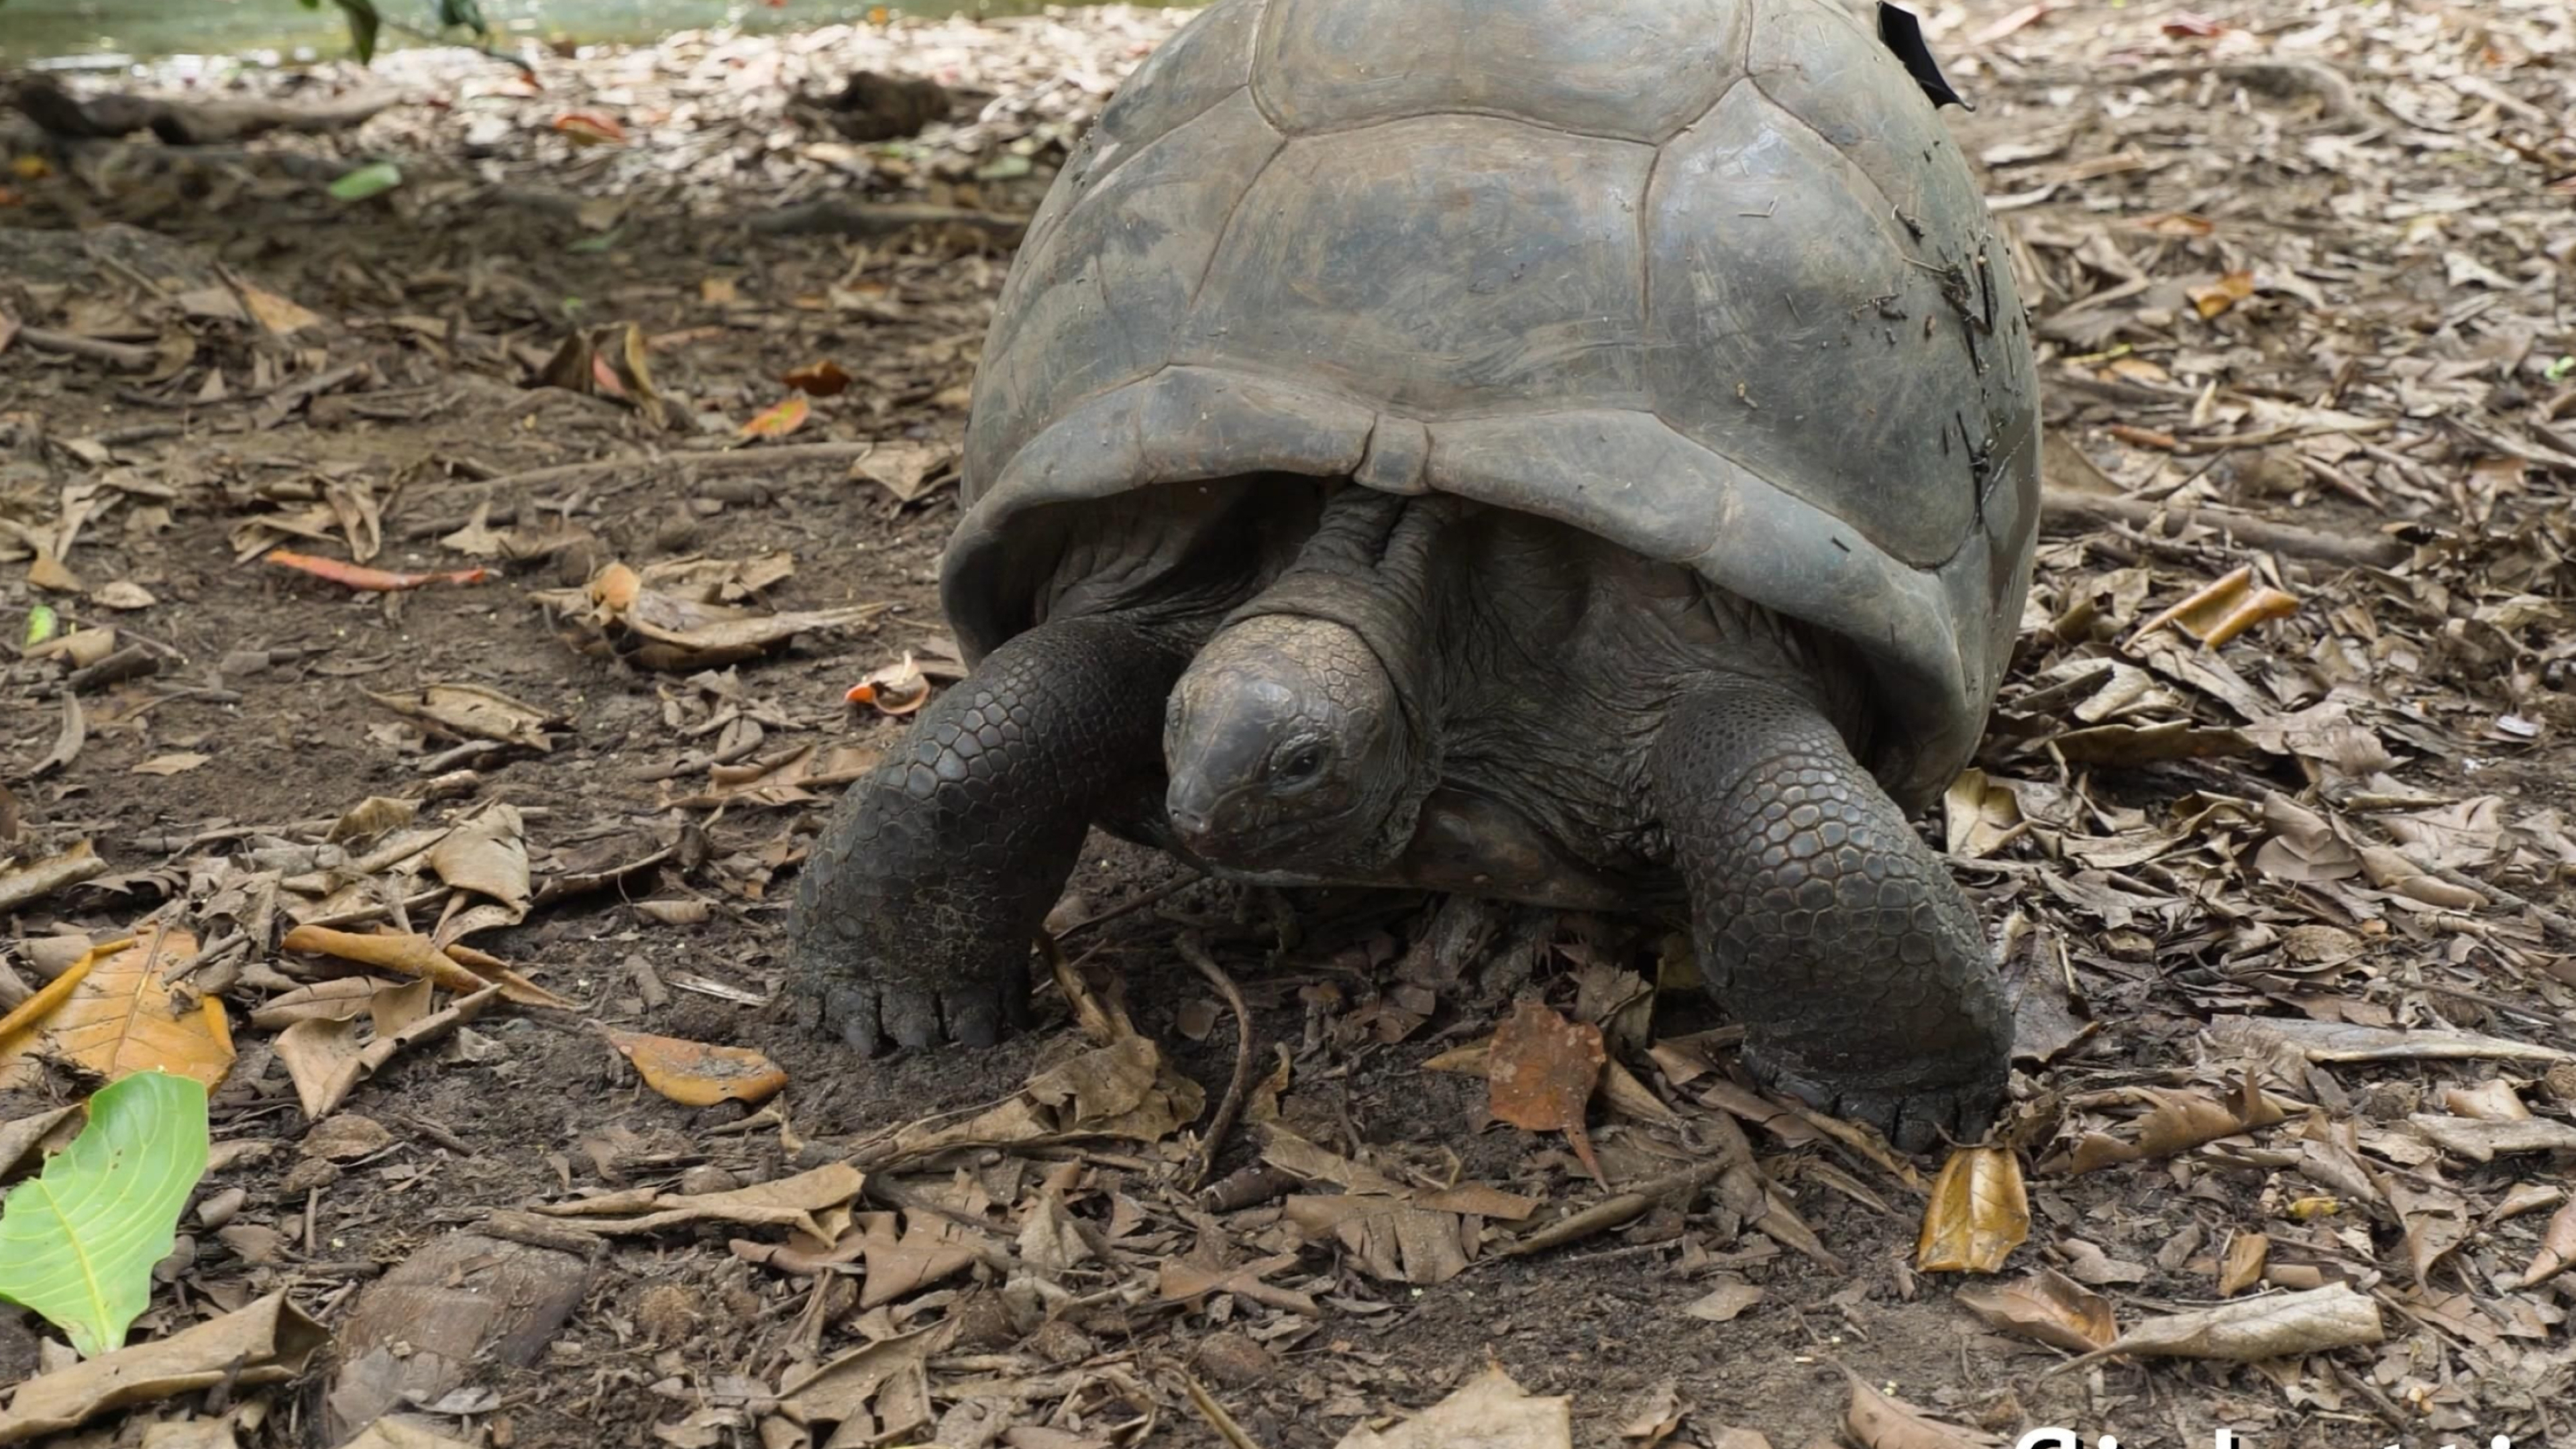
(1289, 749)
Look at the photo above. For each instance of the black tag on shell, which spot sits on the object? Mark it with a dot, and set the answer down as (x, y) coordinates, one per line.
(1901, 33)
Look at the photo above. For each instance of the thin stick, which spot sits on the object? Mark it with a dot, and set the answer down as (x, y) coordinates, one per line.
(2062, 505)
(710, 460)
(1161, 892)
(1232, 1106)
(1215, 1414)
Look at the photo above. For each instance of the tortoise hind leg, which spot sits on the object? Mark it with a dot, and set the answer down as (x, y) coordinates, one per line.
(1823, 922)
(915, 909)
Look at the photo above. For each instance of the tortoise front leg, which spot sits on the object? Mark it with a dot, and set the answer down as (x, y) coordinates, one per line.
(916, 908)
(1824, 923)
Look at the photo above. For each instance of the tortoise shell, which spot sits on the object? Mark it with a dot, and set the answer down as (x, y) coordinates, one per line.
(1708, 278)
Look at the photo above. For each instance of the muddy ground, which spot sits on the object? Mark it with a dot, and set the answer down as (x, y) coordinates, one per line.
(2310, 264)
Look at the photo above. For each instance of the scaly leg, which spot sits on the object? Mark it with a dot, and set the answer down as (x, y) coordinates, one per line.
(916, 908)
(1823, 922)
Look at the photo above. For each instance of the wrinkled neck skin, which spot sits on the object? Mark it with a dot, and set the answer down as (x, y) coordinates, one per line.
(1343, 648)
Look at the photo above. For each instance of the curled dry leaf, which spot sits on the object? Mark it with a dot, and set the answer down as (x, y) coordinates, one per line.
(2241, 1266)
(266, 1341)
(2337, 1041)
(1979, 1212)
(1876, 1421)
(474, 712)
(455, 968)
(675, 630)
(2557, 1248)
(2178, 1122)
(1723, 1303)
(904, 468)
(2047, 1306)
(788, 1202)
(38, 879)
(1490, 1412)
(1389, 1238)
(1540, 1073)
(326, 1060)
(2254, 1329)
(895, 689)
(696, 1074)
(819, 379)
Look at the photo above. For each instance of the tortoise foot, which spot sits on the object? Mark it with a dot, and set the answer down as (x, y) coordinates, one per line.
(918, 1012)
(1913, 1117)
(923, 892)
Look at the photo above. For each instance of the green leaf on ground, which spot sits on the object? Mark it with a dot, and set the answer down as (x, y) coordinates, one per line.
(78, 1241)
(372, 179)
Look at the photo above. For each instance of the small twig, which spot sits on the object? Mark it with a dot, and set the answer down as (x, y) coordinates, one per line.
(1611, 1212)
(1160, 893)
(1232, 1106)
(123, 354)
(705, 460)
(2063, 505)
(2554, 920)
(1212, 1411)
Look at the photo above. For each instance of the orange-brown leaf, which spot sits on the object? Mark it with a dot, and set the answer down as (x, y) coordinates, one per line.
(695, 1074)
(2557, 1248)
(1541, 1071)
(113, 1013)
(590, 128)
(821, 379)
(359, 576)
(781, 420)
(2217, 296)
(417, 955)
(1979, 1213)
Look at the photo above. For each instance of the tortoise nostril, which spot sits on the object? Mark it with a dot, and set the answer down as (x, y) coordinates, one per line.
(1192, 824)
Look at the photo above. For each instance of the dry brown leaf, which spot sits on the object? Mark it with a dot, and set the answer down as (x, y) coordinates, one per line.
(2557, 1247)
(372, 817)
(487, 856)
(417, 955)
(1653, 1416)
(2336, 1041)
(2253, 1329)
(326, 1061)
(2047, 1306)
(22, 1139)
(1388, 1237)
(1540, 1073)
(1980, 816)
(474, 712)
(276, 313)
(2483, 1141)
(904, 468)
(1723, 1303)
(899, 688)
(625, 615)
(266, 1341)
(884, 1384)
(1978, 1213)
(1876, 1421)
(2217, 295)
(113, 1014)
(39, 879)
(2241, 1267)
(928, 1249)
(696, 1074)
(1182, 1281)
(1125, 1089)
(788, 1202)
(2178, 1122)
(1489, 1412)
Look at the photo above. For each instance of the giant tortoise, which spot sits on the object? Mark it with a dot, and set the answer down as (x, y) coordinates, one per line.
(1573, 452)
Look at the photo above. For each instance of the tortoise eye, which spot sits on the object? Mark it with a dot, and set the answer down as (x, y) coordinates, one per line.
(1302, 765)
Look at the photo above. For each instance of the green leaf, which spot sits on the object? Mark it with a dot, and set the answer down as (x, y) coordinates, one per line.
(2559, 367)
(371, 179)
(364, 22)
(78, 1241)
(463, 12)
(42, 624)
